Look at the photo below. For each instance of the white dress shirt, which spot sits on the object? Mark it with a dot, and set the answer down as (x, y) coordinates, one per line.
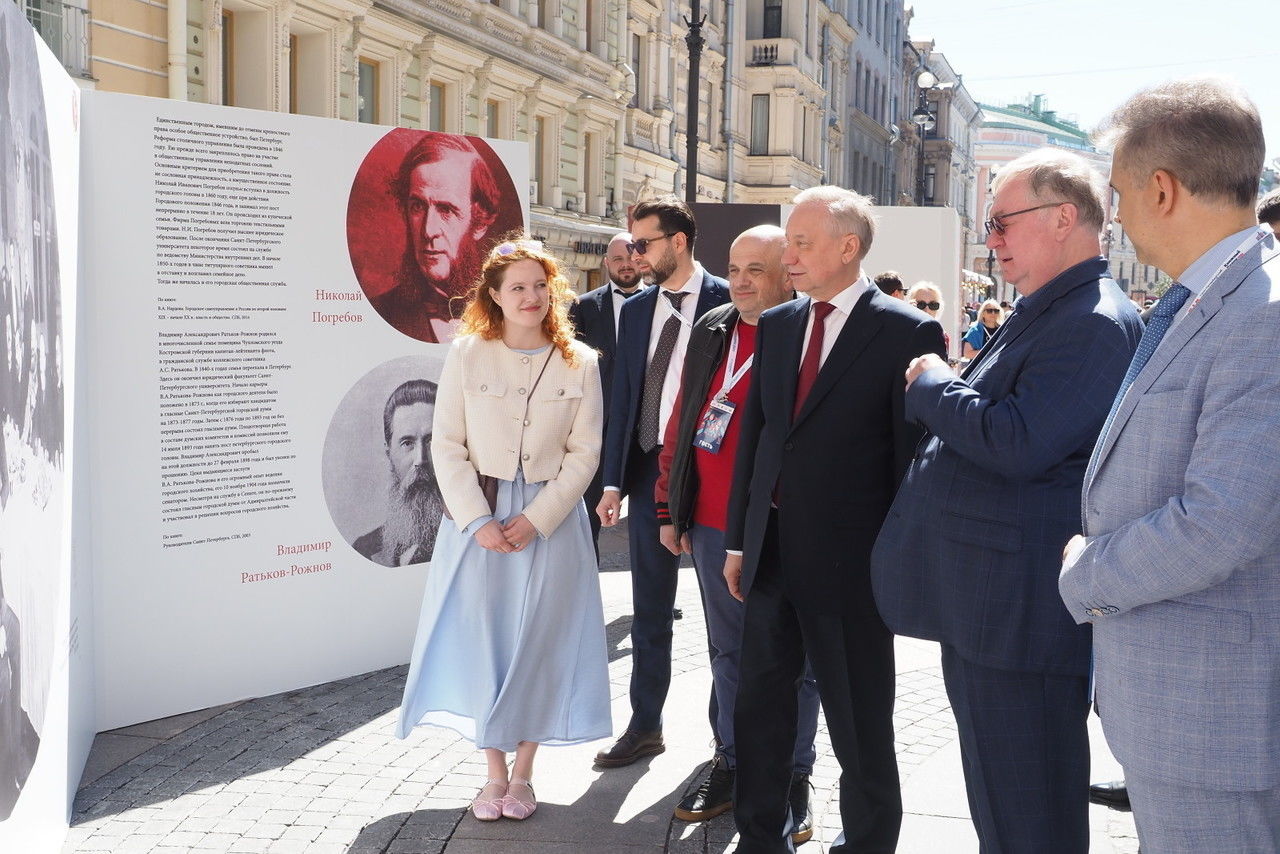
(688, 314)
(619, 297)
(843, 304)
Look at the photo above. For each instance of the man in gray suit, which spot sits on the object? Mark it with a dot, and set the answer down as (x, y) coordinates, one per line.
(1179, 565)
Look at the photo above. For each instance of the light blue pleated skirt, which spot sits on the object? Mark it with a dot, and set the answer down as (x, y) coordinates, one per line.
(511, 647)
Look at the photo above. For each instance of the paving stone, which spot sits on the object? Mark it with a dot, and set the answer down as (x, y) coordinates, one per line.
(320, 770)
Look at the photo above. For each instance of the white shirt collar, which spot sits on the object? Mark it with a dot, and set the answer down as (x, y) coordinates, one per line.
(848, 298)
(694, 283)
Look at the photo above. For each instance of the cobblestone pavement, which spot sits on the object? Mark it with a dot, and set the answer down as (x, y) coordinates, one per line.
(319, 771)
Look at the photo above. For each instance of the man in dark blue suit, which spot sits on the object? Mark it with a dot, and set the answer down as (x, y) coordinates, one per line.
(822, 447)
(595, 317)
(970, 553)
(653, 334)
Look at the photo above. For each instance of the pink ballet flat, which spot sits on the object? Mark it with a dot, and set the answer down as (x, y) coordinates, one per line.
(488, 805)
(520, 801)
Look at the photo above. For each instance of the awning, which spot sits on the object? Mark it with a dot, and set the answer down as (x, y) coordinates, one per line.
(969, 277)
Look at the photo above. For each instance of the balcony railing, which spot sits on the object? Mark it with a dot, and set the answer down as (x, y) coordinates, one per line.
(65, 28)
(782, 52)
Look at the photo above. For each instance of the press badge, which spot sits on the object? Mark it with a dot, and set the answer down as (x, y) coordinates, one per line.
(713, 426)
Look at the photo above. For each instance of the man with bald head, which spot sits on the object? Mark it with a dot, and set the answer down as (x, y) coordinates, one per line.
(695, 473)
(595, 317)
(822, 448)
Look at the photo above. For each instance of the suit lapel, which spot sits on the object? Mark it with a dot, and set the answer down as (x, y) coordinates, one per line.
(606, 309)
(708, 295)
(861, 326)
(788, 362)
(1173, 342)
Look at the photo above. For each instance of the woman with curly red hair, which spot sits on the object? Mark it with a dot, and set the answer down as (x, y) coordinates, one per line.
(510, 649)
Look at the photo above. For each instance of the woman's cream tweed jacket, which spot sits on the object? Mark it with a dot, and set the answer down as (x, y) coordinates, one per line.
(481, 424)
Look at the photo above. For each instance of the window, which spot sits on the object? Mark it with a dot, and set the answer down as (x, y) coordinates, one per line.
(590, 164)
(541, 6)
(772, 19)
(759, 124)
(491, 119)
(930, 178)
(539, 133)
(367, 92)
(592, 36)
(435, 112)
(637, 67)
(857, 94)
(228, 57)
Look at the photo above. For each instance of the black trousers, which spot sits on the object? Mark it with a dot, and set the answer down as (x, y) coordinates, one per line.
(852, 659)
(595, 491)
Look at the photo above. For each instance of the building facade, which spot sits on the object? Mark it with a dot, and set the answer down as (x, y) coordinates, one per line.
(791, 93)
(1009, 131)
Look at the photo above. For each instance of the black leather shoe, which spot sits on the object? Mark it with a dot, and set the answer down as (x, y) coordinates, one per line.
(1113, 794)
(713, 797)
(630, 747)
(802, 819)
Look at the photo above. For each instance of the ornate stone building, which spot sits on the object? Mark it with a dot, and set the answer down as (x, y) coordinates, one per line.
(1008, 132)
(792, 93)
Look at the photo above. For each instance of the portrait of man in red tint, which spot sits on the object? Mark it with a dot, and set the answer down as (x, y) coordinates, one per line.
(425, 208)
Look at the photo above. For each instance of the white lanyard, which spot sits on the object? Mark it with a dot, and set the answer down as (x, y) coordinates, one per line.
(1258, 234)
(732, 376)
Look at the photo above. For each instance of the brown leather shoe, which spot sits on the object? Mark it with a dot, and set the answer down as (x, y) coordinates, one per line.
(630, 747)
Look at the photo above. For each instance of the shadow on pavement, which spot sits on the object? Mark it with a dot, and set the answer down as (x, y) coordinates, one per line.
(255, 736)
(419, 832)
(589, 824)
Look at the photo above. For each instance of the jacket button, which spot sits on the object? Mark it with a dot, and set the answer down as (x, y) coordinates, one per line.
(787, 446)
(525, 360)
(484, 388)
(520, 391)
(560, 392)
(526, 422)
(525, 457)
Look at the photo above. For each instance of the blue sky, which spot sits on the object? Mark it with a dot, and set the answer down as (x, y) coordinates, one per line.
(1087, 56)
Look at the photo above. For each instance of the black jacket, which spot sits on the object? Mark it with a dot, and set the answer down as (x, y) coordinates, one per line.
(834, 468)
(706, 350)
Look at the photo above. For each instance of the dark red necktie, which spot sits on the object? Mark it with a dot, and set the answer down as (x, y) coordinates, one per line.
(812, 356)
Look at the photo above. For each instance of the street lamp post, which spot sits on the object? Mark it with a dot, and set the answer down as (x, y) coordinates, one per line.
(695, 42)
(924, 121)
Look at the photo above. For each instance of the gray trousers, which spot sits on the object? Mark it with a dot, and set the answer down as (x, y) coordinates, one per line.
(1174, 818)
(724, 638)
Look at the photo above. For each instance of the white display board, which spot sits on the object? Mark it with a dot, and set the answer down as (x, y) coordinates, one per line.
(240, 370)
(922, 244)
(39, 139)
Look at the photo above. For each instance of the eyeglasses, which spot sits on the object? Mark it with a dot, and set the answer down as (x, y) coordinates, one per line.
(991, 311)
(996, 223)
(641, 246)
(932, 306)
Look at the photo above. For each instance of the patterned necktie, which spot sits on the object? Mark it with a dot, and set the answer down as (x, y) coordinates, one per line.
(656, 374)
(1161, 319)
(812, 356)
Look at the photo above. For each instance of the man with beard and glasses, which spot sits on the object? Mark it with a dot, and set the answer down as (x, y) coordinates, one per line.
(450, 200)
(653, 335)
(414, 506)
(595, 321)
